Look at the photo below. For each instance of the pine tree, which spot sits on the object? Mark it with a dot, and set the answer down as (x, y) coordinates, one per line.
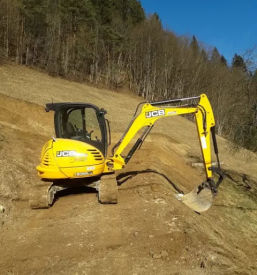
(204, 55)
(104, 10)
(34, 13)
(223, 60)
(215, 56)
(238, 62)
(136, 12)
(194, 46)
(156, 17)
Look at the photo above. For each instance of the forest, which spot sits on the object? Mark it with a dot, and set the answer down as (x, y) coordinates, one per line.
(113, 43)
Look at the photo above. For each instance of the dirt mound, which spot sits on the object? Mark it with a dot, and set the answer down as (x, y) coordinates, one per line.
(21, 130)
(148, 231)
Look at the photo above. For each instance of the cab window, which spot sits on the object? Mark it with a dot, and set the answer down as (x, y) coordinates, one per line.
(79, 123)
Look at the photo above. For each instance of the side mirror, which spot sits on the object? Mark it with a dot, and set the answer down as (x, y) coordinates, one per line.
(103, 111)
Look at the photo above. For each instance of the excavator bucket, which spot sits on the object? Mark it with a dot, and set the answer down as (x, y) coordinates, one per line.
(199, 199)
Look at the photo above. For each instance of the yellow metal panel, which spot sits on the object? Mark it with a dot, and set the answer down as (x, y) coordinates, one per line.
(65, 158)
(205, 134)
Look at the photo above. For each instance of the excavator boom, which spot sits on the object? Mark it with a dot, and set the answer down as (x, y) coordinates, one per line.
(200, 199)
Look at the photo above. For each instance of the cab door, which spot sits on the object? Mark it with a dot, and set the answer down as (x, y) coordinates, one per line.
(82, 122)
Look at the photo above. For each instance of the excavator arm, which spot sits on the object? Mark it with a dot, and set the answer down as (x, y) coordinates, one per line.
(200, 198)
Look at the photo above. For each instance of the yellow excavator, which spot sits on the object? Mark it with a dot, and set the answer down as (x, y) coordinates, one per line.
(78, 154)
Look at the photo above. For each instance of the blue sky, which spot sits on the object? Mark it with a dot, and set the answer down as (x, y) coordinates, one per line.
(229, 25)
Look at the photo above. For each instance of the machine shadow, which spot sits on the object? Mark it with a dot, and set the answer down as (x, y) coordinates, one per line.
(123, 177)
(75, 191)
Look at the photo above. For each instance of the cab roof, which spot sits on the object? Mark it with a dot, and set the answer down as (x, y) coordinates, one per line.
(55, 106)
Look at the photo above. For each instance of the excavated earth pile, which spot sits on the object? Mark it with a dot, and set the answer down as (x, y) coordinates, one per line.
(148, 231)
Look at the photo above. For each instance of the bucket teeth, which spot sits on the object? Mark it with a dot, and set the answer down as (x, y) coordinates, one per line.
(199, 199)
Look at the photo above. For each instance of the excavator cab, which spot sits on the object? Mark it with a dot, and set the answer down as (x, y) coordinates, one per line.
(81, 122)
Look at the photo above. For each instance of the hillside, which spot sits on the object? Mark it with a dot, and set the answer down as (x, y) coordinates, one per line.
(149, 231)
(117, 45)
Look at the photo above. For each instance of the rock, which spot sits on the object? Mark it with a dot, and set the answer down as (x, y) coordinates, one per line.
(1, 137)
(202, 265)
(164, 254)
(151, 236)
(2, 209)
(136, 234)
(157, 256)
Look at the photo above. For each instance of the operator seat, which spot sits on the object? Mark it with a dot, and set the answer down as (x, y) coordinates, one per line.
(70, 130)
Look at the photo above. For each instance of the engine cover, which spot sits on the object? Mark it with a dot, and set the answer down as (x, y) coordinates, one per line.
(66, 158)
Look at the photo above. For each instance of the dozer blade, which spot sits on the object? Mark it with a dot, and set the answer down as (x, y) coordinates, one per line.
(199, 199)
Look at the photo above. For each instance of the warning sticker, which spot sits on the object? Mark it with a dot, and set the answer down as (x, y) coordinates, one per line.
(203, 141)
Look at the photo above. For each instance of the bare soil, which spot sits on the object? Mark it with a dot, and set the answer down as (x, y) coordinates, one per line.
(148, 231)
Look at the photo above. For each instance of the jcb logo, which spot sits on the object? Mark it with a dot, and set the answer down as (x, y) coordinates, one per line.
(66, 153)
(155, 113)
